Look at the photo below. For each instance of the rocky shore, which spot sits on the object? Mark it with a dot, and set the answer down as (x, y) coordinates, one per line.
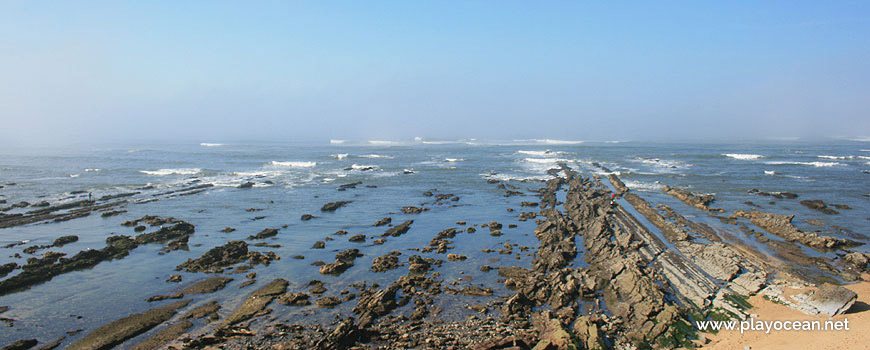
(600, 277)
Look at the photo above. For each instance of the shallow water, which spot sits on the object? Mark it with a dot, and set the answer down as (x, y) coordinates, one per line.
(304, 177)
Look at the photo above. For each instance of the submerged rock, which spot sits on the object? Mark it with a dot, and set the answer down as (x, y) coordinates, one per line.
(126, 328)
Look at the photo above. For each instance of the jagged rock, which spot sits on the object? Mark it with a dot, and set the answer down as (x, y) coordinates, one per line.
(306, 217)
(217, 258)
(266, 233)
(413, 210)
(386, 262)
(818, 205)
(332, 206)
(319, 245)
(384, 221)
(456, 257)
(780, 225)
(295, 299)
(357, 238)
(327, 302)
(399, 229)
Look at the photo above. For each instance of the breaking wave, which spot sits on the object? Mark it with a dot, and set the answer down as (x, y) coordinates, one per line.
(206, 144)
(743, 156)
(540, 153)
(815, 164)
(293, 164)
(164, 172)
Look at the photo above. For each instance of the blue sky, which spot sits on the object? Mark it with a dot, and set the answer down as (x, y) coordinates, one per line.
(309, 71)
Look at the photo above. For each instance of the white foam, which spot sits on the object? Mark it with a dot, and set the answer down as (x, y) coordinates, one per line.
(863, 157)
(382, 142)
(743, 156)
(837, 157)
(540, 153)
(815, 164)
(339, 156)
(769, 172)
(545, 160)
(552, 142)
(440, 142)
(364, 167)
(376, 156)
(73, 175)
(408, 171)
(516, 177)
(91, 170)
(206, 144)
(418, 138)
(453, 160)
(293, 164)
(643, 186)
(164, 172)
(336, 142)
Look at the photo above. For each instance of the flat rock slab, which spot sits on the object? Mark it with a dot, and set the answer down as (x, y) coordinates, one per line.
(829, 299)
(117, 332)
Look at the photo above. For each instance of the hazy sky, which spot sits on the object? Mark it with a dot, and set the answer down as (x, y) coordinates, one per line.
(210, 71)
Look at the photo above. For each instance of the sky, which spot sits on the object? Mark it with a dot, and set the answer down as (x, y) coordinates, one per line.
(219, 71)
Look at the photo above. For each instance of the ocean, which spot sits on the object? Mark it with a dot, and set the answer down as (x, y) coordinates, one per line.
(290, 180)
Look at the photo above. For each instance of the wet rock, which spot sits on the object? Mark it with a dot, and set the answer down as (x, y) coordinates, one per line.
(316, 287)
(247, 185)
(38, 270)
(335, 268)
(126, 328)
(399, 229)
(164, 336)
(255, 304)
(357, 238)
(780, 225)
(818, 205)
(340, 233)
(319, 245)
(413, 210)
(332, 206)
(63, 240)
(217, 258)
(384, 221)
(386, 262)
(841, 206)
(111, 213)
(23, 344)
(227, 230)
(266, 233)
(456, 257)
(176, 231)
(528, 204)
(295, 299)
(174, 278)
(700, 201)
(327, 302)
(206, 286)
(514, 272)
(306, 217)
